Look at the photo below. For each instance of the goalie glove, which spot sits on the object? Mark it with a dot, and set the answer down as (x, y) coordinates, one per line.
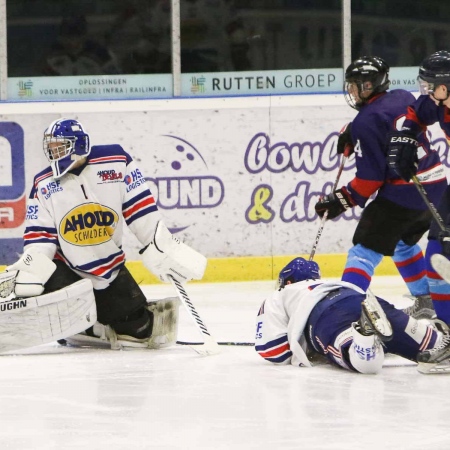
(335, 203)
(167, 255)
(402, 154)
(31, 272)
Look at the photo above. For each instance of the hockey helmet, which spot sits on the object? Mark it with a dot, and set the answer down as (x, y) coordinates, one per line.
(299, 269)
(434, 71)
(365, 69)
(65, 143)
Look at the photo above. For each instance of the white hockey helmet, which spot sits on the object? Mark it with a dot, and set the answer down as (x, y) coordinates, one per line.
(65, 143)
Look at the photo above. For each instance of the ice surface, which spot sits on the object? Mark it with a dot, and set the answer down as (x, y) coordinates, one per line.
(54, 397)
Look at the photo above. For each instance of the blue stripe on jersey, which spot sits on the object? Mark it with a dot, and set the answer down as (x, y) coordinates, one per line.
(272, 343)
(99, 262)
(142, 212)
(281, 358)
(136, 199)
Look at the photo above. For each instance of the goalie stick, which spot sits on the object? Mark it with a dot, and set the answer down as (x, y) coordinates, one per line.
(209, 346)
(439, 262)
(325, 215)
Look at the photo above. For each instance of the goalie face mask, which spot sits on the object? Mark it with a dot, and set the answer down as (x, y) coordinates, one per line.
(299, 269)
(65, 143)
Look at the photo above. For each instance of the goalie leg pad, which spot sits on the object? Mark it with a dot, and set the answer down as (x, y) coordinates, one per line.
(27, 322)
(366, 352)
(166, 254)
(164, 333)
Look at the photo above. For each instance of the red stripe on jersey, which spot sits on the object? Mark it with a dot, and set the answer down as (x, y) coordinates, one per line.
(101, 270)
(108, 159)
(411, 115)
(365, 188)
(275, 351)
(145, 202)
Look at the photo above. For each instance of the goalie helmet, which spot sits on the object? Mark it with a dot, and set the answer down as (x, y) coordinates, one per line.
(370, 74)
(434, 71)
(65, 143)
(298, 270)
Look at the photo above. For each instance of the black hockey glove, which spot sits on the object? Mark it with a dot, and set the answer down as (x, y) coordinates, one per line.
(345, 141)
(444, 239)
(335, 203)
(402, 154)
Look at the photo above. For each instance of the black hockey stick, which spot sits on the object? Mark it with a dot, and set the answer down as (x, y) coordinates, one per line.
(440, 263)
(325, 215)
(423, 193)
(237, 344)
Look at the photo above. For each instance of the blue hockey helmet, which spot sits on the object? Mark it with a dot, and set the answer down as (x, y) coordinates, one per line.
(298, 270)
(65, 143)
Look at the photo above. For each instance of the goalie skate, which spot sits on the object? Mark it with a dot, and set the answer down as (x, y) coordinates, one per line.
(164, 332)
(442, 266)
(373, 319)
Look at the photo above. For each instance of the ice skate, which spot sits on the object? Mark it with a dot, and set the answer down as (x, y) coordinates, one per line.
(422, 308)
(436, 359)
(373, 320)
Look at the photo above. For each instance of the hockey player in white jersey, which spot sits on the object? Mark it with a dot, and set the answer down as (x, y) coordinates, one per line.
(76, 213)
(307, 317)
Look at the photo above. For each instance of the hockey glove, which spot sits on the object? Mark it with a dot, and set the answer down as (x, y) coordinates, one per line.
(402, 154)
(335, 203)
(444, 239)
(345, 143)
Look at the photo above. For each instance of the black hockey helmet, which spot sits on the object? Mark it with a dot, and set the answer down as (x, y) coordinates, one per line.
(362, 70)
(434, 71)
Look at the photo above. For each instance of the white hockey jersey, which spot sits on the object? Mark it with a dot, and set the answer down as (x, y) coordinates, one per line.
(282, 318)
(80, 217)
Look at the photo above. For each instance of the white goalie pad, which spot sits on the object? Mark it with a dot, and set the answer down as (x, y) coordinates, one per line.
(31, 321)
(167, 255)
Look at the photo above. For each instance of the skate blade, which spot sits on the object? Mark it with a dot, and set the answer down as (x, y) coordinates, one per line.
(433, 368)
(378, 317)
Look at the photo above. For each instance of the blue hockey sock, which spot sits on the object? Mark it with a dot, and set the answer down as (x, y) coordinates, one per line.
(439, 289)
(360, 266)
(410, 263)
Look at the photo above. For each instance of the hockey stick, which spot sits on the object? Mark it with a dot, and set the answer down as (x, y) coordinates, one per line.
(325, 214)
(209, 346)
(423, 193)
(236, 344)
(439, 262)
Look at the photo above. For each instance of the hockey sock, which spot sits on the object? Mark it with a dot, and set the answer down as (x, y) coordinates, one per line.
(439, 289)
(360, 266)
(410, 263)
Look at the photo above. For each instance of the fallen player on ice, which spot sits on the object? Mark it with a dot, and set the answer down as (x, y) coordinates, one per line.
(307, 317)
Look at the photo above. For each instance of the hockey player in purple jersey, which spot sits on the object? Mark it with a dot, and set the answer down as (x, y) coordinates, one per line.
(393, 223)
(432, 106)
(352, 329)
(77, 211)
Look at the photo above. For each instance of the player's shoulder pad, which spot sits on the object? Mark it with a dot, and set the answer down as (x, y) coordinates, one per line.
(40, 177)
(110, 151)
